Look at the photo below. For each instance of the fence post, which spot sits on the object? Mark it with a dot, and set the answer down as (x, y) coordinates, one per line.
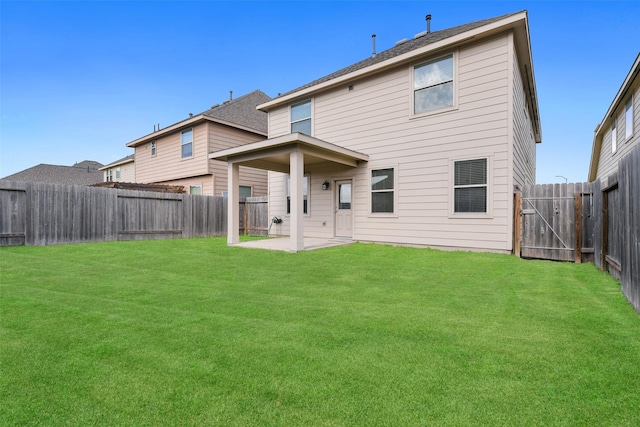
(516, 224)
(578, 228)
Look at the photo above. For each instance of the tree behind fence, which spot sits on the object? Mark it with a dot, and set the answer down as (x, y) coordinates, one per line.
(50, 214)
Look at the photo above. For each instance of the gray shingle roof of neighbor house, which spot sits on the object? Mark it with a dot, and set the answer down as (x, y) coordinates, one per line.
(83, 173)
(127, 159)
(420, 40)
(240, 112)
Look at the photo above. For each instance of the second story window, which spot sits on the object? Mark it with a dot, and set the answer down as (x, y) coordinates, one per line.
(614, 137)
(433, 85)
(628, 114)
(153, 148)
(187, 143)
(301, 117)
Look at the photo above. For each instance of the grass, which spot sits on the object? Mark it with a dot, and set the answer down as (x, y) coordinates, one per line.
(191, 332)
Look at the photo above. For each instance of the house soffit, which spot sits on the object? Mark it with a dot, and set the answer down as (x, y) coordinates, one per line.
(274, 154)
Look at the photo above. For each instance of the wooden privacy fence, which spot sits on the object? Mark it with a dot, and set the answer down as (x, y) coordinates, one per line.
(50, 214)
(557, 222)
(595, 221)
(617, 233)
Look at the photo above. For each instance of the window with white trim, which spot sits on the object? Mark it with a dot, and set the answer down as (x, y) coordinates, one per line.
(433, 85)
(305, 194)
(470, 186)
(153, 148)
(614, 137)
(628, 116)
(109, 175)
(301, 117)
(186, 141)
(382, 190)
(118, 172)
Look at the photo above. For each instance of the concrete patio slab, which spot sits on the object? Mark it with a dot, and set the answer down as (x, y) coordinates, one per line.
(283, 243)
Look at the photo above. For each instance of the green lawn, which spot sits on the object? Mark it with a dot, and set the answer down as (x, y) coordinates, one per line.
(191, 332)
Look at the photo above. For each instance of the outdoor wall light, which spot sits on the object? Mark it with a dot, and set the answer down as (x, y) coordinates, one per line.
(325, 185)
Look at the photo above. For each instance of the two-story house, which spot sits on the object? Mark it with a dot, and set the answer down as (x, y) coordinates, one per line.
(178, 154)
(619, 130)
(122, 170)
(422, 144)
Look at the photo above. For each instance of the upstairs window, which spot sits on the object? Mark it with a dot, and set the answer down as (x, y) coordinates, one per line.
(153, 148)
(470, 186)
(186, 140)
(301, 117)
(628, 115)
(614, 137)
(433, 85)
(382, 190)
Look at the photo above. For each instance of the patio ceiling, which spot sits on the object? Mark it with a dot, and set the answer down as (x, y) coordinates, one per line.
(274, 154)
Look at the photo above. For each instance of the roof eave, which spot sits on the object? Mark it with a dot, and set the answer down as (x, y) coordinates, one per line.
(124, 162)
(597, 138)
(485, 30)
(190, 122)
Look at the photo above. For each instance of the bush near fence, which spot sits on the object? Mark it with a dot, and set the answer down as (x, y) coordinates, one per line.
(50, 214)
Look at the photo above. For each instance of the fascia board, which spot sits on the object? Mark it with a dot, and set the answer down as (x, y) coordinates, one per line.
(287, 140)
(169, 129)
(488, 29)
(113, 165)
(190, 122)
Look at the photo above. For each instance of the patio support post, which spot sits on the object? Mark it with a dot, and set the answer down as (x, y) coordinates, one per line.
(296, 176)
(233, 207)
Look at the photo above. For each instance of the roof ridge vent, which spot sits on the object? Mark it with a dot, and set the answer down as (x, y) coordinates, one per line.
(424, 33)
(399, 42)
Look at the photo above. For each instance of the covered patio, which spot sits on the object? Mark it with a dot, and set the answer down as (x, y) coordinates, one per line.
(293, 154)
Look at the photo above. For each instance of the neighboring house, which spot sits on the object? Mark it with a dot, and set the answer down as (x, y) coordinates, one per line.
(83, 173)
(122, 170)
(619, 130)
(422, 144)
(178, 154)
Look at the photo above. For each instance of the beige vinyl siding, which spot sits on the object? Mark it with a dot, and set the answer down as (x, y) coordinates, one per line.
(127, 172)
(524, 144)
(168, 165)
(608, 163)
(222, 137)
(375, 118)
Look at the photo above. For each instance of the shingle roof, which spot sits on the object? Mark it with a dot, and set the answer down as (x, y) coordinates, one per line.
(242, 111)
(399, 49)
(83, 173)
(126, 159)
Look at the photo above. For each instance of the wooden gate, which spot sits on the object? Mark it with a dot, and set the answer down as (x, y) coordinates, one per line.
(13, 216)
(557, 222)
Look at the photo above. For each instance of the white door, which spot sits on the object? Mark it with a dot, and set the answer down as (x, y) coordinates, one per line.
(343, 208)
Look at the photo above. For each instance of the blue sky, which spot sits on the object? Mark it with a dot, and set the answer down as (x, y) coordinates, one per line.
(80, 79)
